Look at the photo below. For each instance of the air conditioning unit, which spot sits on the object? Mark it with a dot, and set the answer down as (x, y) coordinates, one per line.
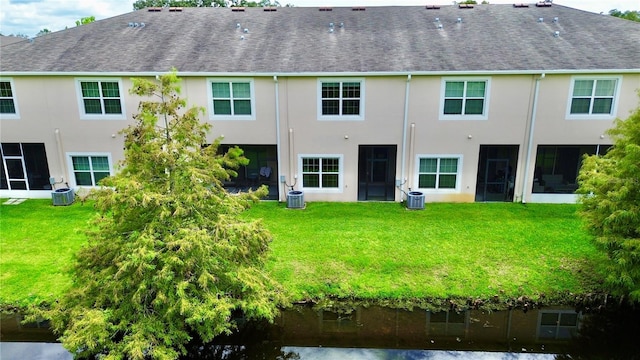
(62, 197)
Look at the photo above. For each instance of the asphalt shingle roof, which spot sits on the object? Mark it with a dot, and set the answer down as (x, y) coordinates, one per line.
(298, 40)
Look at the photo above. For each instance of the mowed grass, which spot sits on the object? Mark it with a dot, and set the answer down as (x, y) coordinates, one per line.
(352, 250)
(383, 251)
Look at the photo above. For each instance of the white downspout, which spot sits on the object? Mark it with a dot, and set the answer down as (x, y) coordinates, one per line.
(403, 176)
(532, 126)
(278, 142)
(63, 166)
(292, 174)
(412, 140)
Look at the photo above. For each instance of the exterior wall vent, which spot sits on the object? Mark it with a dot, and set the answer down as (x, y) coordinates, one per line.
(543, 4)
(521, 5)
(432, 7)
(358, 8)
(325, 9)
(270, 9)
(175, 9)
(465, 6)
(154, 9)
(237, 9)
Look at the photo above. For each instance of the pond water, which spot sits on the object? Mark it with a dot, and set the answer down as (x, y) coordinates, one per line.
(382, 333)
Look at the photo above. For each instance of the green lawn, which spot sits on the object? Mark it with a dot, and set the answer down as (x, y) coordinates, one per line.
(361, 250)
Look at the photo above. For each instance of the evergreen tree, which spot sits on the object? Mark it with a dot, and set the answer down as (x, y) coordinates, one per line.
(610, 195)
(168, 258)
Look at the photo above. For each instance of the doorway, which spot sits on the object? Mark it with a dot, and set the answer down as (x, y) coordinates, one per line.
(376, 172)
(496, 172)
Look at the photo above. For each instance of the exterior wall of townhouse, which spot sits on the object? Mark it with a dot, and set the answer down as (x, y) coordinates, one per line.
(50, 113)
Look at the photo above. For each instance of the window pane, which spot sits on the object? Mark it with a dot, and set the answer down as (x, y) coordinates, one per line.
(330, 90)
(330, 107)
(11, 149)
(330, 180)
(242, 107)
(447, 182)
(222, 107)
(580, 106)
(474, 107)
(568, 319)
(110, 89)
(220, 90)
(15, 169)
(310, 165)
(582, 88)
(5, 89)
(549, 319)
(80, 163)
(7, 106)
(351, 90)
(99, 176)
(311, 180)
(454, 89)
(92, 106)
(427, 181)
(112, 106)
(602, 106)
(330, 165)
(605, 87)
(428, 165)
(351, 107)
(453, 106)
(242, 90)
(449, 165)
(83, 179)
(100, 163)
(90, 89)
(475, 88)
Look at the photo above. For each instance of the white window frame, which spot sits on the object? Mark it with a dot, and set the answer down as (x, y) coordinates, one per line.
(103, 116)
(340, 187)
(72, 177)
(16, 115)
(590, 116)
(438, 156)
(359, 117)
(485, 105)
(213, 116)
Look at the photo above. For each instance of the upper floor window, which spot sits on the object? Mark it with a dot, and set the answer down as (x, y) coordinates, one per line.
(101, 99)
(232, 99)
(8, 106)
(439, 172)
(593, 97)
(89, 169)
(321, 172)
(341, 99)
(464, 99)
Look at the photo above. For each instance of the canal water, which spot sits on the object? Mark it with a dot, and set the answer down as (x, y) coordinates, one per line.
(304, 333)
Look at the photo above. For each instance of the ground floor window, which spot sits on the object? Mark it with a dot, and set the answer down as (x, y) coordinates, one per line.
(447, 323)
(557, 166)
(558, 325)
(321, 172)
(24, 167)
(88, 170)
(438, 172)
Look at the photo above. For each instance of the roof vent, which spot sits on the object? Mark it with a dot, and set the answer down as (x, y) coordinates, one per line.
(465, 6)
(555, 19)
(521, 5)
(325, 9)
(439, 26)
(543, 4)
(241, 37)
(154, 9)
(459, 20)
(540, 19)
(175, 9)
(359, 8)
(246, 31)
(437, 19)
(270, 9)
(556, 34)
(432, 7)
(341, 25)
(238, 26)
(331, 25)
(237, 9)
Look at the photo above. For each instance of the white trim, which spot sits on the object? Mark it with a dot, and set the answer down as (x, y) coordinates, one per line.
(103, 116)
(71, 175)
(213, 116)
(485, 106)
(340, 187)
(416, 173)
(16, 115)
(340, 80)
(614, 104)
(550, 198)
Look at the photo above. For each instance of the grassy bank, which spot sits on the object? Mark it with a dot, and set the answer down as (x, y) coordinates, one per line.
(352, 250)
